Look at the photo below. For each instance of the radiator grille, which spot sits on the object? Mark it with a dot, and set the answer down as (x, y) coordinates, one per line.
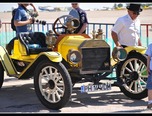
(95, 59)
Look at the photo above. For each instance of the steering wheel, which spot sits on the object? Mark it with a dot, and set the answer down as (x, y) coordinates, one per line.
(59, 26)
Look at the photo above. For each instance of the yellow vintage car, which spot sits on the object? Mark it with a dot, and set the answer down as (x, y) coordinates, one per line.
(59, 59)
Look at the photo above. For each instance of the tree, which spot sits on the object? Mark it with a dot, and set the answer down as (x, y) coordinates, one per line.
(120, 5)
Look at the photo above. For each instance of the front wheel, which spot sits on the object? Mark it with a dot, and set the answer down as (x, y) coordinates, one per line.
(52, 84)
(1, 75)
(133, 74)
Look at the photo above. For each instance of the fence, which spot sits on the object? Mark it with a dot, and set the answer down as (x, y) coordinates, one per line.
(7, 33)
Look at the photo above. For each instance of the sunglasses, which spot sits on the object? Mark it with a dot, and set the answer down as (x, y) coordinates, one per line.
(74, 4)
(136, 13)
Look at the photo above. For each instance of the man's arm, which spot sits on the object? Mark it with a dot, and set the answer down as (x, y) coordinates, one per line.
(35, 10)
(139, 42)
(148, 64)
(0, 23)
(22, 23)
(83, 28)
(115, 38)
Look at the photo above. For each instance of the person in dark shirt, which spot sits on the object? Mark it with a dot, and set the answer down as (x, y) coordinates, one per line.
(22, 22)
(22, 19)
(149, 80)
(81, 15)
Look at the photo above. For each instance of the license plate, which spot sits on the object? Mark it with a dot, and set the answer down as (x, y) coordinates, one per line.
(97, 87)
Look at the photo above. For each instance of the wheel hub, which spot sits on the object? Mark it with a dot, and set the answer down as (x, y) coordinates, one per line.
(51, 84)
(134, 75)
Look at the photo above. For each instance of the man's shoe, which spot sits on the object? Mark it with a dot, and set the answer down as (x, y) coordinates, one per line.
(149, 106)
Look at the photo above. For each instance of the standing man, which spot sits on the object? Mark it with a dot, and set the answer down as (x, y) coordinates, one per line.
(126, 31)
(77, 12)
(149, 80)
(22, 21)
(35, 13)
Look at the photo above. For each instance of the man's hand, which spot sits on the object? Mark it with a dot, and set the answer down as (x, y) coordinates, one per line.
(32, 4)
(35, 11)
(31, 20)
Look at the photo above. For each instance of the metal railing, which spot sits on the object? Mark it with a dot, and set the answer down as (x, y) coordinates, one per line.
(7, 33)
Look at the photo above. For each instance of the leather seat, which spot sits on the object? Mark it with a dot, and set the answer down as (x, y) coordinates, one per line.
(34, 42)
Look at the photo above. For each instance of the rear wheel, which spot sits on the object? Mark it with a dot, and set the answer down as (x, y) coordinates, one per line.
(133, 74)
(1, 75)
(52, 84)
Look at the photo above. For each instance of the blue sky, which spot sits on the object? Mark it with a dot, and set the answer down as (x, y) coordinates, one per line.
(8, 6)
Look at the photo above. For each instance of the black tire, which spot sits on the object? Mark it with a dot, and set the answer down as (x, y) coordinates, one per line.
(134, 79)
(1, 75)
(54, 93)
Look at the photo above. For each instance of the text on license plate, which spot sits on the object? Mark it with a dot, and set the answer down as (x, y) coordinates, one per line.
(92, 87)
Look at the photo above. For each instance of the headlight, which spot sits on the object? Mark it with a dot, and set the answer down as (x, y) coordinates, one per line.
(74, 56)
(119, 54)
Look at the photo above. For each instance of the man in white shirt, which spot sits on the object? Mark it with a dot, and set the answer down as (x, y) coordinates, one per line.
(126, 31)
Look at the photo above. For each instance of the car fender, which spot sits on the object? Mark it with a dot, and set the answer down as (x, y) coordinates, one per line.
(130, 49)
(139, 49)
(53, 56)
(29, 70)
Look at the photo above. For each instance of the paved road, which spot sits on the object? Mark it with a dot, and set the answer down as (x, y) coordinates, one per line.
(18, 96)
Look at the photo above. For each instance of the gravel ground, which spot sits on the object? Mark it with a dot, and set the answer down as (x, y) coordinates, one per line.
(18, 96)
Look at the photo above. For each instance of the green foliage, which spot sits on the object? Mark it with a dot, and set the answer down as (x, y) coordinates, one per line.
(120, 5)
